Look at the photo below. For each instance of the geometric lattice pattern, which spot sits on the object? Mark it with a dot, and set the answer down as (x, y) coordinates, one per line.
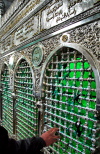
(70, 102)
(26, 111)
(7, 102)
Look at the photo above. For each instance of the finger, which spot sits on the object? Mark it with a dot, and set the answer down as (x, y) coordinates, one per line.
(57, 137)
(55, 140)
(52, 134)
(55, 130)
(52, 129)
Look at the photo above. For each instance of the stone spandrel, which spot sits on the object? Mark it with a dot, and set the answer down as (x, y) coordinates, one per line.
(61, 10)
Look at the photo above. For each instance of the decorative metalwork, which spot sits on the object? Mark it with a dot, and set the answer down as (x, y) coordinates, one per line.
(26, 111)
(69, 89)
(7, 101)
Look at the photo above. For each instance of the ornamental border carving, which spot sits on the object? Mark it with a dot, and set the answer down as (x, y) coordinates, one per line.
(68, 22)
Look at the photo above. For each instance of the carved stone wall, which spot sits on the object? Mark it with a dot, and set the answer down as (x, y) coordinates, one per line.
(88, 36)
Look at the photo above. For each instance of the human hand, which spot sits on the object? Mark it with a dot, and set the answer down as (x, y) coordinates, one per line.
(49, 137)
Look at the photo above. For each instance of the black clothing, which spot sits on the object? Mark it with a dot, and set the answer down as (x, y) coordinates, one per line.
(27, 146)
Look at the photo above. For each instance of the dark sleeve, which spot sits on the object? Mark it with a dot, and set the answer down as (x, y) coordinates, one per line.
(31, 145)
(27, 146)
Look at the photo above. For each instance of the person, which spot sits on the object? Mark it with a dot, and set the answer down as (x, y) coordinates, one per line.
(26, 146)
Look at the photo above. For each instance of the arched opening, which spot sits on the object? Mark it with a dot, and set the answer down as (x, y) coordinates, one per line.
(25, 106)
(70, 86)
(7, 101)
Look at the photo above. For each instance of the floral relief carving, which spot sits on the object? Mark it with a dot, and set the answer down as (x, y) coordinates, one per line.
(50, 45)
(88, 36)
(37, 73)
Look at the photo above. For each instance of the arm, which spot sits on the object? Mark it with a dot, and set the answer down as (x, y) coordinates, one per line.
(34, 145)
(29, 146)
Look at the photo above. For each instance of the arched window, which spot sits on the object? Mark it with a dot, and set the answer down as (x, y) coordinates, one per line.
(7, 101)
(25, 107)
(69, 88)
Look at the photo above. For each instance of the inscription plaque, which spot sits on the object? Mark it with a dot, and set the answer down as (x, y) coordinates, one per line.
(27, 30)
(60, 10)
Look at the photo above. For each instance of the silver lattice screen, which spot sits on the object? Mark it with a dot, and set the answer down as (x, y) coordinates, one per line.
(26, 111)
(70, 103)
(7, 101)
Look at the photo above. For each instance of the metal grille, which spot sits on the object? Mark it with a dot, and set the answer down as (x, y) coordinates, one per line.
(70, 102)
(7, 102)
(26, 111)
